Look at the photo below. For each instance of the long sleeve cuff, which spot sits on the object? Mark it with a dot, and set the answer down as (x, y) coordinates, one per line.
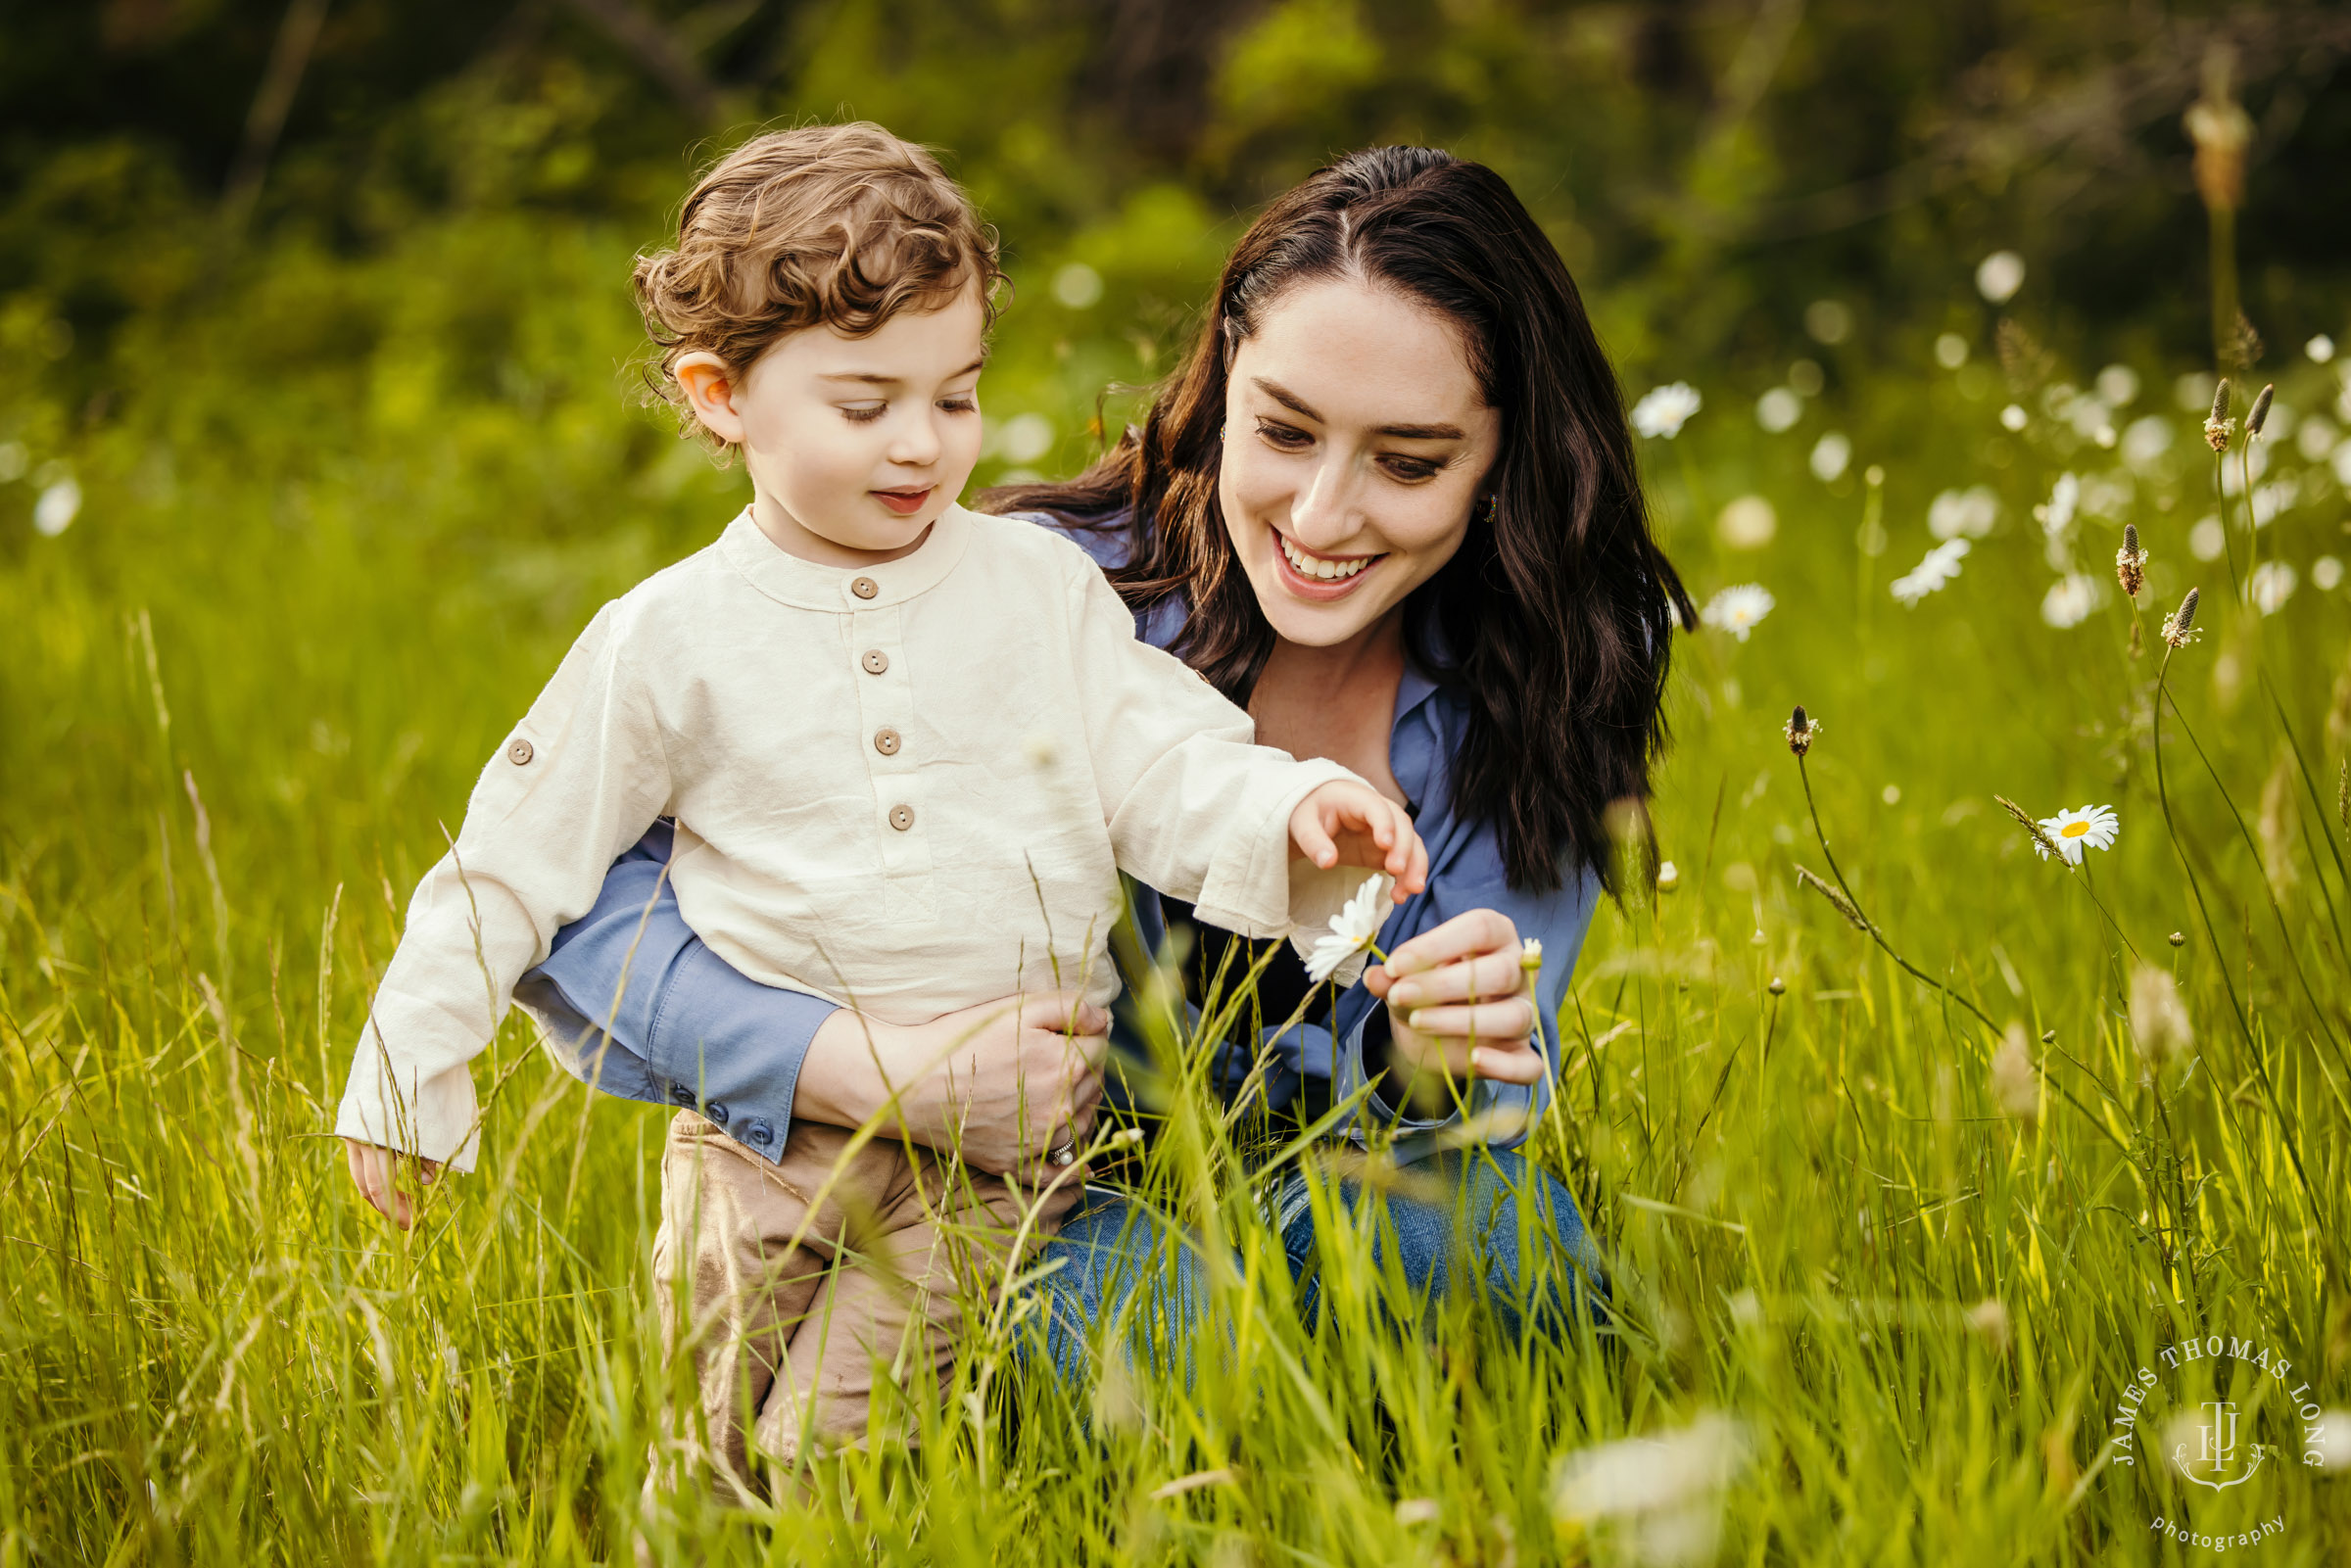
(1253, 886)
(703, 1037)
(732, 1048)
(420, 1110)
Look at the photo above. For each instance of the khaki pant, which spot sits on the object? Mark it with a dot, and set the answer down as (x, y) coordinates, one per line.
(809, 1283)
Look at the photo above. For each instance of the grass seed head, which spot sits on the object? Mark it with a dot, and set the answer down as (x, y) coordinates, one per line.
(2218, 426)
(1835, 898)
(2222, 130)
(1988, 1318)
(1799, 731)
(2179, 627)
(2015, 1081)
(2131, 563)
(2158, 1018)
(2025, 820)
(2261, 411)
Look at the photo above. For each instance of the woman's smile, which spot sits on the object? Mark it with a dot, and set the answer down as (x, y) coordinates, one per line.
(1322, 578)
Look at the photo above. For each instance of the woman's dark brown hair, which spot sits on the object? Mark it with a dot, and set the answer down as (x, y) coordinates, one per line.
(1555, 618)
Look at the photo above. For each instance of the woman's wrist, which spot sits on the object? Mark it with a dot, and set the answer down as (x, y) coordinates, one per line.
(1413, 1083)
(845, 1079)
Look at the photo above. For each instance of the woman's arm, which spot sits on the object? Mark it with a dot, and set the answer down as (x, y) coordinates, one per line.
(644, 1010)
(640, 1008)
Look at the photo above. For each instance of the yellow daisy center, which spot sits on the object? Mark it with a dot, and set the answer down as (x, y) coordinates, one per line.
(2073, 830)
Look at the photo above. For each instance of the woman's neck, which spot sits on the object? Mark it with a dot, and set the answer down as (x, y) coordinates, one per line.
(1338, 701)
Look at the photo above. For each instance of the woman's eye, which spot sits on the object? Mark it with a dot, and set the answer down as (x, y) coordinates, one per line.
(863, 413)
(1286, 436)
(1411, 470)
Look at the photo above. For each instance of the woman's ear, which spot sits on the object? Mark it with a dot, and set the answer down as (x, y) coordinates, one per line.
(709, 385)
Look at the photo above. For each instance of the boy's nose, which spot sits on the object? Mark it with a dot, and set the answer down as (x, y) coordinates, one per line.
(918, 445)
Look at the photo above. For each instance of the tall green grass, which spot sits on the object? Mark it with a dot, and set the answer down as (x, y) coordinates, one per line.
(1873, 1309)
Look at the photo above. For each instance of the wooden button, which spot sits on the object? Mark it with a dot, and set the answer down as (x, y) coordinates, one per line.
(885, 741)
(901, 816)
(864, 586)
(519, 753)
(875, 661)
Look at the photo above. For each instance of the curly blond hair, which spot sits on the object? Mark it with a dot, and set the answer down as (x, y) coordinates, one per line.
(842, 226)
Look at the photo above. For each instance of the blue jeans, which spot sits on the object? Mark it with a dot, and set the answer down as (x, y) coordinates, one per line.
(1481, 1221)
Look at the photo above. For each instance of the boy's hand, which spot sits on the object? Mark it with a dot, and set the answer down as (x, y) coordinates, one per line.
(1348, 824)
(371, 1171)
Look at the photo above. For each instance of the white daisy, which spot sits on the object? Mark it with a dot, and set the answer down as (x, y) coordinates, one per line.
(2064, 498)
(2071, 831)
(1351, 930)
(2269, 585)
(2070, 599)
(1736, 610)
(1940, 565)
(1662, 410)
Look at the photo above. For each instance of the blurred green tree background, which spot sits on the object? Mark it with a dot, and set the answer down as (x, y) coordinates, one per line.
(1709, 168)
(322, 306)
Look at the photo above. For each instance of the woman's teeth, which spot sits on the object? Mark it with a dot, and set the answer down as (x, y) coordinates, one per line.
(1318, 566)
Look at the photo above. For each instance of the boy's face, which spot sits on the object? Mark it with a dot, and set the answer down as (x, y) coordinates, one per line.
(855, 445)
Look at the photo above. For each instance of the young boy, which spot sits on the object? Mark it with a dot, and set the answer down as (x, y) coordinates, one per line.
(908, 748)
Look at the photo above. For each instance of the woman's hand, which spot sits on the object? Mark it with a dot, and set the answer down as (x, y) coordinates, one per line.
(1446, 986)
(1347, 824)
(1002, 1086)
(371, 1171)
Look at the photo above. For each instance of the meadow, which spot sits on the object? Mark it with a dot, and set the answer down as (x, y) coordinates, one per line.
(1900, 1183)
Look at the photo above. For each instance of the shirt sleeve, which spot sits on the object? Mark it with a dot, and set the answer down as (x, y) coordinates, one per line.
(573, 784)
(634, 1005)
(1195, 807)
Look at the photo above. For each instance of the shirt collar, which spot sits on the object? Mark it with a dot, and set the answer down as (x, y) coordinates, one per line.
(843, 590)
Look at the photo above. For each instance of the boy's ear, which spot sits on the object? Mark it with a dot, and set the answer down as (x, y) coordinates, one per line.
(709, 387)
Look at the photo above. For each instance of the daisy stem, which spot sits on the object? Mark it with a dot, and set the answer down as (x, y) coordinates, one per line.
(2093, 891)
(1875, 934)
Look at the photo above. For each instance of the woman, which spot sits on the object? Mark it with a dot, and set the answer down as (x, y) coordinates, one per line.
(1390, 504)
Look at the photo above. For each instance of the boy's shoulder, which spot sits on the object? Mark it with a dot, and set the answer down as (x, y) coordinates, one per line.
(688, 583)
(1036, 546)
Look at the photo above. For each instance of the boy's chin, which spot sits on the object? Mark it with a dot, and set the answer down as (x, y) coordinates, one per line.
(870, 528)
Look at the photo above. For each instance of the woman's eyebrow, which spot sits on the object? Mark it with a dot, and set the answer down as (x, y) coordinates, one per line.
(1287, 397)
(1298, 406)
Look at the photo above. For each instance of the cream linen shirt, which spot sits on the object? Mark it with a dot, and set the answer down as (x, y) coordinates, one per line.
(906, 788)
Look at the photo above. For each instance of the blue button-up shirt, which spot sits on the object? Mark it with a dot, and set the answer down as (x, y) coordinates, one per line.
(636, 1005)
